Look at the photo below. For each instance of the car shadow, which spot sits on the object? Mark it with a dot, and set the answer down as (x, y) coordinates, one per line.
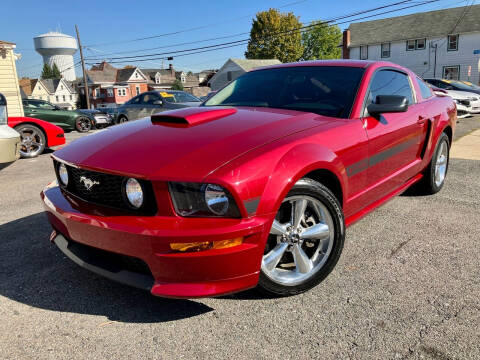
(34, 272)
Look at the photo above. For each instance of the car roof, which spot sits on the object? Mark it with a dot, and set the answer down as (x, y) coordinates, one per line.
(339, 62)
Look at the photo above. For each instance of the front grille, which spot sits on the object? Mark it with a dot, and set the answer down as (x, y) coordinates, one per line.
(108, 189)
(465, 102)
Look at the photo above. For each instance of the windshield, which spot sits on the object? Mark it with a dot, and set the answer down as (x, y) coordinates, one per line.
(460, 85)
(178, 97)
(323, 90)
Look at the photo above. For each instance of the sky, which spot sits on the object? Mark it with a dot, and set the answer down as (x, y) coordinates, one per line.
(113, 26)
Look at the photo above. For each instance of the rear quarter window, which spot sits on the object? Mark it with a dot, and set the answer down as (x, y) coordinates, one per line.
(424, 89)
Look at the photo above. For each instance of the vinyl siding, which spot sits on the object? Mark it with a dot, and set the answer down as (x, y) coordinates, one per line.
(422, 61)
(9, 83)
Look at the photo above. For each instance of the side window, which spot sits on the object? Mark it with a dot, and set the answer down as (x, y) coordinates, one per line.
(390, 82)
(424, 89)
(150, 98)
(135, 101)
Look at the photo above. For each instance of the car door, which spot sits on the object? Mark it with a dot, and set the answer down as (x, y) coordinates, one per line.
(395, 139)
(152, 103)
(132, 108)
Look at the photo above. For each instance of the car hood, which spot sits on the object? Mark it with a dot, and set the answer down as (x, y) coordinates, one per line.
(185, 144)
(461, 95)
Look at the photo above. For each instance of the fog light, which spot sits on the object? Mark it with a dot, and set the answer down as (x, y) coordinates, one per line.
(63, 174)
(134, 193)
(205, 245)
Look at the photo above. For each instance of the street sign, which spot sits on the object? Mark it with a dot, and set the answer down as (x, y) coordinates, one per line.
(476, 52)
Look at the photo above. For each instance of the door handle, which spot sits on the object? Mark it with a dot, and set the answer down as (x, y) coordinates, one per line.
(421, 120)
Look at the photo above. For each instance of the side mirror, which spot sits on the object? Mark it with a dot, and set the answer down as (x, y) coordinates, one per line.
(158, 102)
(3, 110)
(388, 104)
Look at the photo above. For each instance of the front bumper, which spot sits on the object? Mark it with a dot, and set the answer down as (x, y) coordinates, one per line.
(147, 238)
(9, 149)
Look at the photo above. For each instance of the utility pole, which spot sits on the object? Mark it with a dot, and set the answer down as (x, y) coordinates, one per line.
(83, 68)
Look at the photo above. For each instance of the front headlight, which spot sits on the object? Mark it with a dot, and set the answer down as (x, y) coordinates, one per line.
(134, 193)
(63, 174)
(203, 200)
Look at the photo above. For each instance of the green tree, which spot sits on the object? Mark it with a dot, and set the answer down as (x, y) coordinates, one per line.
(46, 72)
(177, 85)
(56, 72)
(321, 42)
(275, 35)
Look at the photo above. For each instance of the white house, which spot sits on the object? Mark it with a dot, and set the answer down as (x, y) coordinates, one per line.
(56, 91)
(233, 68)
(9, 85)
(441, 44)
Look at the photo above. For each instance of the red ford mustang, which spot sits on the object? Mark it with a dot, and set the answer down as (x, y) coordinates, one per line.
(36, 135)
(254, 187)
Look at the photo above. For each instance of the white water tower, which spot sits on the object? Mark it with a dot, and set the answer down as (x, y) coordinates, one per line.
(58, 48)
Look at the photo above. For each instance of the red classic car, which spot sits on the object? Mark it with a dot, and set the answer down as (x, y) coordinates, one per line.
(254, 187)
(36, 135)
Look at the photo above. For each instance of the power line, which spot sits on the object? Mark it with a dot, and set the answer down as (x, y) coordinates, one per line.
(185, 52)
(360, 12)
(189, 29)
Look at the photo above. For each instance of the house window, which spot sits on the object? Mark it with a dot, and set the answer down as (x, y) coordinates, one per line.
(71, 97)
(122, 92)
(420, 44)
(110, 92)
(451, 72)
(61, 87)
(137, 90)
(364, 52)
(56, 98)
(136, 75)
(386, 50)
(157, 79)
(452, 44)
(410, 45)
(64, 98)
(183, 78)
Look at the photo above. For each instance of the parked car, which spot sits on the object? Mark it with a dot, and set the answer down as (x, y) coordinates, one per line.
(112, 111)
(254, 187)
(101, 118)
(36, 135)
(453, 85)
(152, 102)
(9, 138)
(68, 120)
(467, 103)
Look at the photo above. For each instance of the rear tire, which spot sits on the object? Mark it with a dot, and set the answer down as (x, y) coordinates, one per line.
(33, 140)
(305, 241)
(436, 172)
(83, 124)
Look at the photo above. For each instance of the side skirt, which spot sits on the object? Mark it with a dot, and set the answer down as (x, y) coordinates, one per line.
(357, 216)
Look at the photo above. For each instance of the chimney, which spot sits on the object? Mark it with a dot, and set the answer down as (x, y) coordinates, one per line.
(172, 71)
(346, 44)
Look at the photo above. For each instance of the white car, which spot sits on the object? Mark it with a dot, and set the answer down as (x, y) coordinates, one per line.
(9, 138)
(467, 103)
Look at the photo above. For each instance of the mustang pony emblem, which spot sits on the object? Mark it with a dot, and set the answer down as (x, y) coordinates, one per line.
(88, 183)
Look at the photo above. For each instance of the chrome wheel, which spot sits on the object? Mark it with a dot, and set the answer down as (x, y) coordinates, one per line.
(441, 164)
(33, 141)
(83, 124)
(300, 241)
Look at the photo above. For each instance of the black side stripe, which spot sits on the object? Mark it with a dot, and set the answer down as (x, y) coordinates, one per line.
(364, 164)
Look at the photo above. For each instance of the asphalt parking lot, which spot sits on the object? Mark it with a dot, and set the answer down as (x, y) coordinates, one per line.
(406, 287)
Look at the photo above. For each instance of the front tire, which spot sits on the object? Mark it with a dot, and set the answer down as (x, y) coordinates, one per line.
(33, 140)
(305, 241)
(434, 176)
(122, 119)
(83, 124)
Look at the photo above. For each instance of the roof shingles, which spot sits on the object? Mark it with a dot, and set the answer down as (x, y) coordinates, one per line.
(429, 24)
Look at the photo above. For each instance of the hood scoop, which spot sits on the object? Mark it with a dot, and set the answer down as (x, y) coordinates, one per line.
(187, 117)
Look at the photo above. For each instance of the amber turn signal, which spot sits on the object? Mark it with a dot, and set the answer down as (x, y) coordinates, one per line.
(206, 245)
